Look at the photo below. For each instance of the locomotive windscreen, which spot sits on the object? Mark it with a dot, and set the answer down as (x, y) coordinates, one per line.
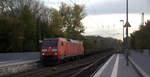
(50, 43)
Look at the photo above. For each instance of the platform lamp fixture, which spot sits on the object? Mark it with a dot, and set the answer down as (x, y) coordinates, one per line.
(122, 30)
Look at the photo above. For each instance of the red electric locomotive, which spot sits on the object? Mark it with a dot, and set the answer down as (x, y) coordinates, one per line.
(56, 49)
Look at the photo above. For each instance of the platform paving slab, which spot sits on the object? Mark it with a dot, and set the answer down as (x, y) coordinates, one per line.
(116, 67)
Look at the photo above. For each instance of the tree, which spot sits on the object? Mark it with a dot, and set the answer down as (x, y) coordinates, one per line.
(141, 37)
(10, 34)
(28, 21)
(56, 23)
(78, 15)
(132, 41)
(98, 42)
(73, 16)
(29, 29)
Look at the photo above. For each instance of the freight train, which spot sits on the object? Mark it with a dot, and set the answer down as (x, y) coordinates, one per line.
(54, 50)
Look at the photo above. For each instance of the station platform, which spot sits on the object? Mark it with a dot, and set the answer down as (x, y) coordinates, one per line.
(14, 66)
(16, 62)
(116, 67)
(18, 57)
(142, 60)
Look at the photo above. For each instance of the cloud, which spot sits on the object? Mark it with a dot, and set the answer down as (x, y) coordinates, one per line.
(118, 6)
(104, 16)
(106, 6)
(109, 25)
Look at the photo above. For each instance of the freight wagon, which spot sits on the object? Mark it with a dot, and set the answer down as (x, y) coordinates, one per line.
(58, 49)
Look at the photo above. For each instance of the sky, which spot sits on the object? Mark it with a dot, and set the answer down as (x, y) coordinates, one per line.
(103, 16)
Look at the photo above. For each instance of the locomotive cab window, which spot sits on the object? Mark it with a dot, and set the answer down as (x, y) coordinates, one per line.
(50, 43)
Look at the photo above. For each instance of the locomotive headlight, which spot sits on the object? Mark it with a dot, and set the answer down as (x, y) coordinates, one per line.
(55, 53)
(44, 50)
(54, 50)
(43, 54)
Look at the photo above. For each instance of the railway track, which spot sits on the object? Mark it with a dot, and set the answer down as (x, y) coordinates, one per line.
(84, 71)
(61, 70)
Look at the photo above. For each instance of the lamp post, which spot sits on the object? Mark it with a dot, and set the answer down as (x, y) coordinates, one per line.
(122, 30)
(127, 25)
